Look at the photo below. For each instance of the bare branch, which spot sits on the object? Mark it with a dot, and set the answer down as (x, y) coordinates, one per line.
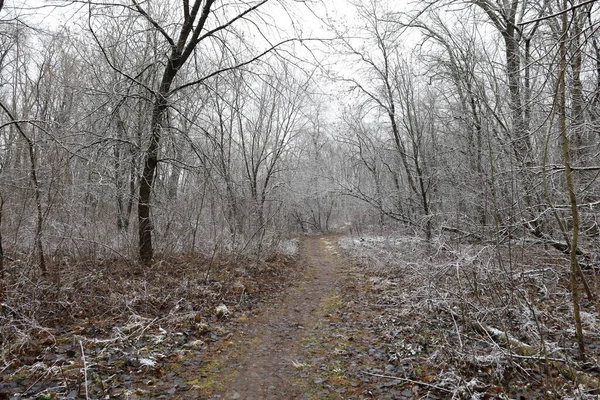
(108, 60)
(154, 23)
(233, 67)
(556, 14)
(196, 38)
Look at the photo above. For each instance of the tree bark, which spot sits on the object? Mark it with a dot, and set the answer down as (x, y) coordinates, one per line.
(1, 248)
(145, 226)
(562, 105)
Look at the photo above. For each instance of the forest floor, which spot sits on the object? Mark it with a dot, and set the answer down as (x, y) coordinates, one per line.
(346, 318)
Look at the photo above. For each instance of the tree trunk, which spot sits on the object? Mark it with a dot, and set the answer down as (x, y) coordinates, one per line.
(1, 249)
(145, 227)
(562, 103)
(120, 184)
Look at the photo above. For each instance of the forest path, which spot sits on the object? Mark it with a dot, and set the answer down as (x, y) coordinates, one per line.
(267, 354)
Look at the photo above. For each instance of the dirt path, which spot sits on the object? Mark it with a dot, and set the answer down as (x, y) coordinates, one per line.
(268, 365)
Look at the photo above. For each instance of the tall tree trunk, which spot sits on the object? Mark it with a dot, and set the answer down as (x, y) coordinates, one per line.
(577, 133)
(145, 227)
(520, 137)
(562, 105)
(1, 248)
(37, 190)
(191, 33)
(120, 183)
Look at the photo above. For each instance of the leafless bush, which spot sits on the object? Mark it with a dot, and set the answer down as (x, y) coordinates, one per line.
(496, 315)
(100, 299)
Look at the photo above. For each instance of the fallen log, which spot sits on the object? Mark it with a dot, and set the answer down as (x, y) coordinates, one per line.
(506, 340)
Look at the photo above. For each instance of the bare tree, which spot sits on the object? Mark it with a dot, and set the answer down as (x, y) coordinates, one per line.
(184, 35)
(268, 127)
(388, 84)
(505, 17)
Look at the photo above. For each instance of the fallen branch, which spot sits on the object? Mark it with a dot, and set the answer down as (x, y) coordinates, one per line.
(464, 234)
(525, 350)
(398, 378)
(84, 370)
(7, 257)
(504, 339)
(537, 358)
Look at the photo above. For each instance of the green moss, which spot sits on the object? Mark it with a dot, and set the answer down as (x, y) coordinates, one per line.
(331, 303)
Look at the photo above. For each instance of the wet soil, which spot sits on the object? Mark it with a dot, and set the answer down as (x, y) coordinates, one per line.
(268, 364)
(316, 341)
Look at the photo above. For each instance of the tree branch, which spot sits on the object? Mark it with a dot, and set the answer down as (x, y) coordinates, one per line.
(154, 23)
(556, 14)
(233, 67)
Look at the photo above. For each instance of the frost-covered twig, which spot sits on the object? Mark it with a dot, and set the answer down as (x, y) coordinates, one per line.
(84, 370)
(398, 378)
(522, 293)
(506, 340)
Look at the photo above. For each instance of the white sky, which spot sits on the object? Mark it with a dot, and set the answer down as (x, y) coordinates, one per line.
(50, 14)
(53, 13)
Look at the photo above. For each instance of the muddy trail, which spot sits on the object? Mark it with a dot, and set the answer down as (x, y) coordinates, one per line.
(319, 340)
(269, 364)
(266, 357)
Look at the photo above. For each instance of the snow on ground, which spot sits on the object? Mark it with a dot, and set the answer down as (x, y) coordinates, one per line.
(461, 301)
(288, 247)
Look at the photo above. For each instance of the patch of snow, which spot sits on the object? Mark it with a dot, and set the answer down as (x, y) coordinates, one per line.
(288, 247)
(147, 362)
(589, 320)
(194, 345)
(222, 311)
(156, 339)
